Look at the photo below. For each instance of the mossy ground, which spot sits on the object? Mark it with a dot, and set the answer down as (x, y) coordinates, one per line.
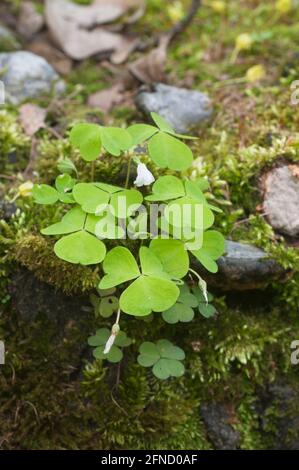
(54, 397)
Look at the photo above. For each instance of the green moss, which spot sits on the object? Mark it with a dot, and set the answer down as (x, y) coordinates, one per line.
(50, 151)
(14, 144)
(36, 253)
(53, 395)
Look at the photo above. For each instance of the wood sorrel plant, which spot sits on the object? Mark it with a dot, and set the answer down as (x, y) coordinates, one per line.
(153, 281)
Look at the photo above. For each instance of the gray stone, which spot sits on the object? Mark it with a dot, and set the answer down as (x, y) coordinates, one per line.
(8, 42)
(217, 422)
(183, 109)
(243, 267)
(281, 199)
(27, 76)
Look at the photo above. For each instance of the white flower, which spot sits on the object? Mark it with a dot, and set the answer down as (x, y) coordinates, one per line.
(109, 343)
(144, 176)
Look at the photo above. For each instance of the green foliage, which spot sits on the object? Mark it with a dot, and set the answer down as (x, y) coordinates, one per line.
(164, 358)
(45, 404)
(36, 254)
(14, 144)
(106, 304)
(182, 310)
(99, 341)
(87, 138)
(188, 300)
(152, 284)
(212, 248)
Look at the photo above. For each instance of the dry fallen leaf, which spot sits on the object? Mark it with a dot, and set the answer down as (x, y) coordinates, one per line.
(32, 118)
(150, 67)
(295, 170)
(75, 29)
(105, 100)
(43, 47)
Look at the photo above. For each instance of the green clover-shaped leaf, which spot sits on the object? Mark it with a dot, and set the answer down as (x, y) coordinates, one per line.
(212, 248)
(141, 132)
(95, 197)
(173, 256)
(80, 248)
(161, 123)
(152, 291)
(163, 357)
(187, 212)
(44, 194)
(106, 304)
(87, 138)
(205, 309)
(148, 294)
(99, 341)
(168, 152)
(64, 183)
(90, 197)
(65, 165)
(72, 221)
(119, 266)
(151, 264)
(115, 140)
(166, 188)
(182, 310)
(144, 295)
(164, 126)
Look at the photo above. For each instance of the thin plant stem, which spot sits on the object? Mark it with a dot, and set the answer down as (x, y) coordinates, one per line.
(128, 172)
(92, 170)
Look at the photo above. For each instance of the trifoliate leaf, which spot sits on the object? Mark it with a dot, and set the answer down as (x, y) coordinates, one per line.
(107, 306)
(169, 351)
(164, 358)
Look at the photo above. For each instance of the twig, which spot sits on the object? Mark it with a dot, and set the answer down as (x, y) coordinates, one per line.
(177, 29)
(28, 173)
